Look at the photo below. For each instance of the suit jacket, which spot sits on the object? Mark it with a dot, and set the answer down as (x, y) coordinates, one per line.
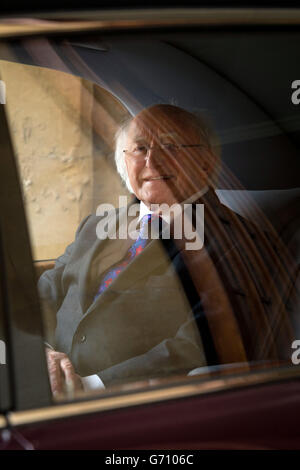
(170, 310)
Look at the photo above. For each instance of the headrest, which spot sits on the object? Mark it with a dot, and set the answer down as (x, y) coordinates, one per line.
(280, 208)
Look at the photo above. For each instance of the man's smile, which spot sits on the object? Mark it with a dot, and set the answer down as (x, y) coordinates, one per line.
(162, 177)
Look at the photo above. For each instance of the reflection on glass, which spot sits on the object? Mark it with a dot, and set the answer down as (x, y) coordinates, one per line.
(129, 302)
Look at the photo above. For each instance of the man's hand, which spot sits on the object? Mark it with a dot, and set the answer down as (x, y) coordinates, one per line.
(63, 378)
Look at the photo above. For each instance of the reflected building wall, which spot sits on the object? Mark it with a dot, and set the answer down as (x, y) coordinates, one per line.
(62, 130)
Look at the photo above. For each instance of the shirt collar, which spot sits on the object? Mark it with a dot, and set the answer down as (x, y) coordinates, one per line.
(144, 210)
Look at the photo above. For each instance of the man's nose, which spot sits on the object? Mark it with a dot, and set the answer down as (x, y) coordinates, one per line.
(157, 158)
(153, 156)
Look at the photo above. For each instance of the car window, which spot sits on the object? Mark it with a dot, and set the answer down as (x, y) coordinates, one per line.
(105, 127)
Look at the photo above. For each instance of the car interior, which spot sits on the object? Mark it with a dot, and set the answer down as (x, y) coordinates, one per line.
(241, 80)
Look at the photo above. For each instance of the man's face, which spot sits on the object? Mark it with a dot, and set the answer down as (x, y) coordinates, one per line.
(160, 168)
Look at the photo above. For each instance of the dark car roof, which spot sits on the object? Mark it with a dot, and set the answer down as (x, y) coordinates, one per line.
(13, 8)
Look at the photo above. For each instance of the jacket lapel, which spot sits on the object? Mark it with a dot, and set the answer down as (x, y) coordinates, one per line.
(102, 254)
(138, 269)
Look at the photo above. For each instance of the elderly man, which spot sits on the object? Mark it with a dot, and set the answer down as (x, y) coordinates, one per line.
(124, 309)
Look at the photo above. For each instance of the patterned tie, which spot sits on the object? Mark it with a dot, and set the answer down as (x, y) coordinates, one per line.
(134, 251)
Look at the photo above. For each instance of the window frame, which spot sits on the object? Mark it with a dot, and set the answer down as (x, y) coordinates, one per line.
(14, 210)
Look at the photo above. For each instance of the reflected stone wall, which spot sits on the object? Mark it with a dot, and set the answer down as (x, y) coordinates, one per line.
(62, 129)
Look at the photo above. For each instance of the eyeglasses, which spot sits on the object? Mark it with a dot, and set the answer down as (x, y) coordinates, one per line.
(141, 151)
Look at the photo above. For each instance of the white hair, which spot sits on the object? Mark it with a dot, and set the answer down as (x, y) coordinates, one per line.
(120, 139)
(205, 129)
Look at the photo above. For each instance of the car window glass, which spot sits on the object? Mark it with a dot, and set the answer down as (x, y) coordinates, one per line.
(223, 142)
